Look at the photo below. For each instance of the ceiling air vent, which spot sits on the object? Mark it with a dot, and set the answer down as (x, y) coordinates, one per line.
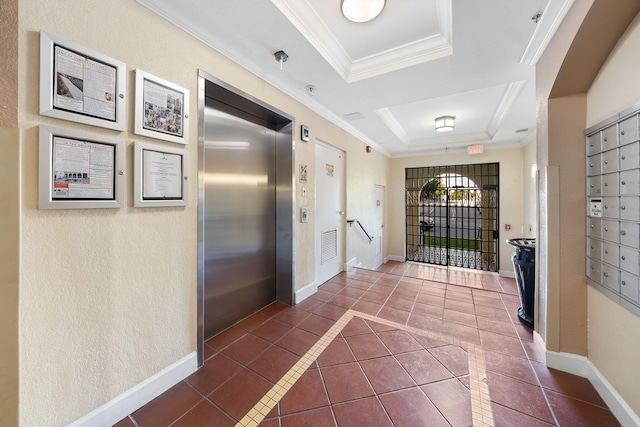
(353, 116)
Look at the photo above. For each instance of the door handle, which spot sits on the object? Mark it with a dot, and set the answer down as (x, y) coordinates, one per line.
(341, 212)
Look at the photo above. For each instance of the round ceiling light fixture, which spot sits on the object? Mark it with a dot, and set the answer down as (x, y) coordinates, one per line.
(359, 11)
(445, 123)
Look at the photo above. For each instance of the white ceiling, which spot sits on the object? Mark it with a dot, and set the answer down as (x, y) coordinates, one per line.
(386, 81)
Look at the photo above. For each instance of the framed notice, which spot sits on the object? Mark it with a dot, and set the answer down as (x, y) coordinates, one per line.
(81, 85)
(80, 170)
(303, 173)
(162, 109)
(160, 176)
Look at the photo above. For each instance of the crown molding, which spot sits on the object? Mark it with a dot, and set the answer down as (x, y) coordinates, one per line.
(549, 23)
(307, 21)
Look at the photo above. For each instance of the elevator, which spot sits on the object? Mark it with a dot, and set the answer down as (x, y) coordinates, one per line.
(245, 207)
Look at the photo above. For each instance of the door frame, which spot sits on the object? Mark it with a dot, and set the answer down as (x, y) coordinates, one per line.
(342, 223)
(381, 188)
(284, 125)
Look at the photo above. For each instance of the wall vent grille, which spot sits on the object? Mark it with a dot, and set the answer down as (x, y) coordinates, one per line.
(329, 245)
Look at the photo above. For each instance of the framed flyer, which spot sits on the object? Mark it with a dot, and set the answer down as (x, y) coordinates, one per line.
(160, 176)
(81, 85)
(162, 109)
(79, 170)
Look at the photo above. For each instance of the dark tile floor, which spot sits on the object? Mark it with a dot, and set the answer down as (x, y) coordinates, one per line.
(400, 350)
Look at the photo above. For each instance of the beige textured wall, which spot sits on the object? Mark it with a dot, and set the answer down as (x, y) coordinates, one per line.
(9, 63)
(9, 279)
(548, 281)
(567, 116)
(364, 172)
(614, 346)
(613, 331)
(9, 214)
(511, 197)
(617, 87)
(108, 296)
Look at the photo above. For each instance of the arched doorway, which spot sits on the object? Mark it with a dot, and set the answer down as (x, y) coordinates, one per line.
(452, 215)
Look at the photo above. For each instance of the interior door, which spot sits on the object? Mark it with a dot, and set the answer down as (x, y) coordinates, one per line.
(378, 225)
(329, 211)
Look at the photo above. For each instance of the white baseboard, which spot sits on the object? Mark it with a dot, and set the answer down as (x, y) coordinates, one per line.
(395, 258)
(507, 273)
(568, 362)
(581, 366)
(306, 292)
(623, 412)
(136, 397)
(540, 345)
(350, 264)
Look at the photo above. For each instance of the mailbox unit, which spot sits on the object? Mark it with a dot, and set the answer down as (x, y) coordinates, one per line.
(613, 207)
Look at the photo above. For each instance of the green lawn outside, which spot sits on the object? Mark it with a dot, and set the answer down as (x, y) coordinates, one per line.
(453, 243)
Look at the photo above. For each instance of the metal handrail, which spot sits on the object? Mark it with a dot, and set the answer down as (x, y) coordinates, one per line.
(351, 221)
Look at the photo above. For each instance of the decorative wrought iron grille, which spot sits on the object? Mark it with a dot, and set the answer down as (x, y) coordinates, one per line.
(452, 215)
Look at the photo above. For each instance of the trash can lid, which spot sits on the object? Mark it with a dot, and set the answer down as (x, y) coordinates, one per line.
(522, 242)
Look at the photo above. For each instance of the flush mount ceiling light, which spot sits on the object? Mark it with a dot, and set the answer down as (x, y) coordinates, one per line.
(361, 10)
(445, 123)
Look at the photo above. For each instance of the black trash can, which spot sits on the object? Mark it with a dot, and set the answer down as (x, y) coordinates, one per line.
(524, 265)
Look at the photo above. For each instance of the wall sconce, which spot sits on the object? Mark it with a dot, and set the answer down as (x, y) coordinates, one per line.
(445, 123)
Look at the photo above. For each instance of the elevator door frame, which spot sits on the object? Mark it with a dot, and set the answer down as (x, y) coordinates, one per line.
(211, 87)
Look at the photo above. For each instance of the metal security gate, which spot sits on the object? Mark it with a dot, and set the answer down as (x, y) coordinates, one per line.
(452, 215)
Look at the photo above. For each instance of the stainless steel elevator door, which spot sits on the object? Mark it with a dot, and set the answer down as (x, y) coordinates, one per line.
(239, 218)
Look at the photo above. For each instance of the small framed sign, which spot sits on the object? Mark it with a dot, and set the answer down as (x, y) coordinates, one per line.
(162, 109)
(81, 85)
(303, 173)
(304, 133)
(160, 176)
(79, 170)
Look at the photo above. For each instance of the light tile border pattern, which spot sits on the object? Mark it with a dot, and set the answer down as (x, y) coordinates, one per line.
(480, 402)
(481, 411)
(277, 392)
